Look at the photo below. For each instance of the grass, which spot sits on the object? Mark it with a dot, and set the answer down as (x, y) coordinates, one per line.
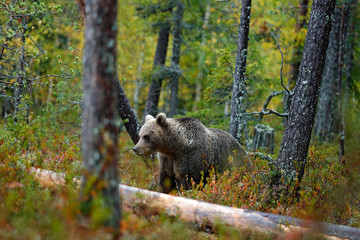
(28, 211)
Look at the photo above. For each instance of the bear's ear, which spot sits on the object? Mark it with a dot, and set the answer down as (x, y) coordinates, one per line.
(161, 119)
(148, 117)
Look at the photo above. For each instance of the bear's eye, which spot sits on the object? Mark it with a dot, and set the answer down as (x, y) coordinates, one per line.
(147, 137)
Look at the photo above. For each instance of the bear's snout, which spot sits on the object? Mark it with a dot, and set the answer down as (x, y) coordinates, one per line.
(140, 150)
(135, 149)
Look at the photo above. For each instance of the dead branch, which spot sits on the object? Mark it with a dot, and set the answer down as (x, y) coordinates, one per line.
(267, 111)
(282, 63)
(263, 156)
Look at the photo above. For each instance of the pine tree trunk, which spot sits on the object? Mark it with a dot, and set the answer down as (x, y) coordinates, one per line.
(348, 58)
(239, 94)
(296, 57)
(327, 115)
(99, 133)
(175, 59)
(295, 143)
(127, 114)
(344, 31)
(152, 101)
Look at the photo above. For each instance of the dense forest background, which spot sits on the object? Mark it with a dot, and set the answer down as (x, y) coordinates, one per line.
(41, 92)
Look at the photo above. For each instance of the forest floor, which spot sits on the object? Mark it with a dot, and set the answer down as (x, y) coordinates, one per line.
(328, 192)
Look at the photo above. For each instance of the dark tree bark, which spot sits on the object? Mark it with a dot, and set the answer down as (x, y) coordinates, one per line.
(296, 57)
(239, 94)
(175, 59)
(127, 114)
(348, 66)
(99, 133)
(327, 115)
(152, 101)
(344, 31)
(295, 143)
(329, 120)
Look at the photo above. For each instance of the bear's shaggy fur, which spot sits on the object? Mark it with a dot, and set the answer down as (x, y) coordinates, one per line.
(186, 149)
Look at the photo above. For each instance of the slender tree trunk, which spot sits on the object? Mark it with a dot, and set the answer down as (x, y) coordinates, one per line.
(348, 57)
(239, 94)
(175, 59)
(152, 101)
(99, 133)
(339, 79)
(201, 61)
(346, 19)
(138, 83)
(127, 114)
(327, 115)
(295, 143)
(20, 89)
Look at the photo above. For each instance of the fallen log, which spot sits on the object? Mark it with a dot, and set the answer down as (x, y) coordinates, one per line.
(191, 210)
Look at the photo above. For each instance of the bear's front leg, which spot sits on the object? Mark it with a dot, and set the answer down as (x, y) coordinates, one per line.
(166, 182)
(166, 176)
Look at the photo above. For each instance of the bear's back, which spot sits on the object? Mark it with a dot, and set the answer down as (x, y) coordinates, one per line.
(227, 150)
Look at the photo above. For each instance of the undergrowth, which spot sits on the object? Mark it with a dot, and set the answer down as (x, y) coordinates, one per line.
(29, 211)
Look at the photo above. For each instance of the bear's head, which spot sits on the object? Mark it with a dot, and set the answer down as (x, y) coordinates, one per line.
(151, 135)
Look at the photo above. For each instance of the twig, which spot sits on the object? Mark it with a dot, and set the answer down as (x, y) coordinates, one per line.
(282, 63)
(269, 111)
(263, 156)
(274, 94)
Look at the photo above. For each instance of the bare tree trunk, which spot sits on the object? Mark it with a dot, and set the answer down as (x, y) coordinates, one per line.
(327, 115)
(175, 59)
(346, 20)
(348, 61)
(201, 61)
(20, 89)
(296, 58)
(99, 133)
(152, 101)
(138, 83)
(239, 94)
(295, 143)
(127, 114)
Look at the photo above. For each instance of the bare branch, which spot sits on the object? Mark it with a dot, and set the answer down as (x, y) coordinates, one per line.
(267, 111)
(263, 156)
(282, 63)
(274, 94)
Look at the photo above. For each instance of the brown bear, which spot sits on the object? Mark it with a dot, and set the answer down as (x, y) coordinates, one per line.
(187, 149)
